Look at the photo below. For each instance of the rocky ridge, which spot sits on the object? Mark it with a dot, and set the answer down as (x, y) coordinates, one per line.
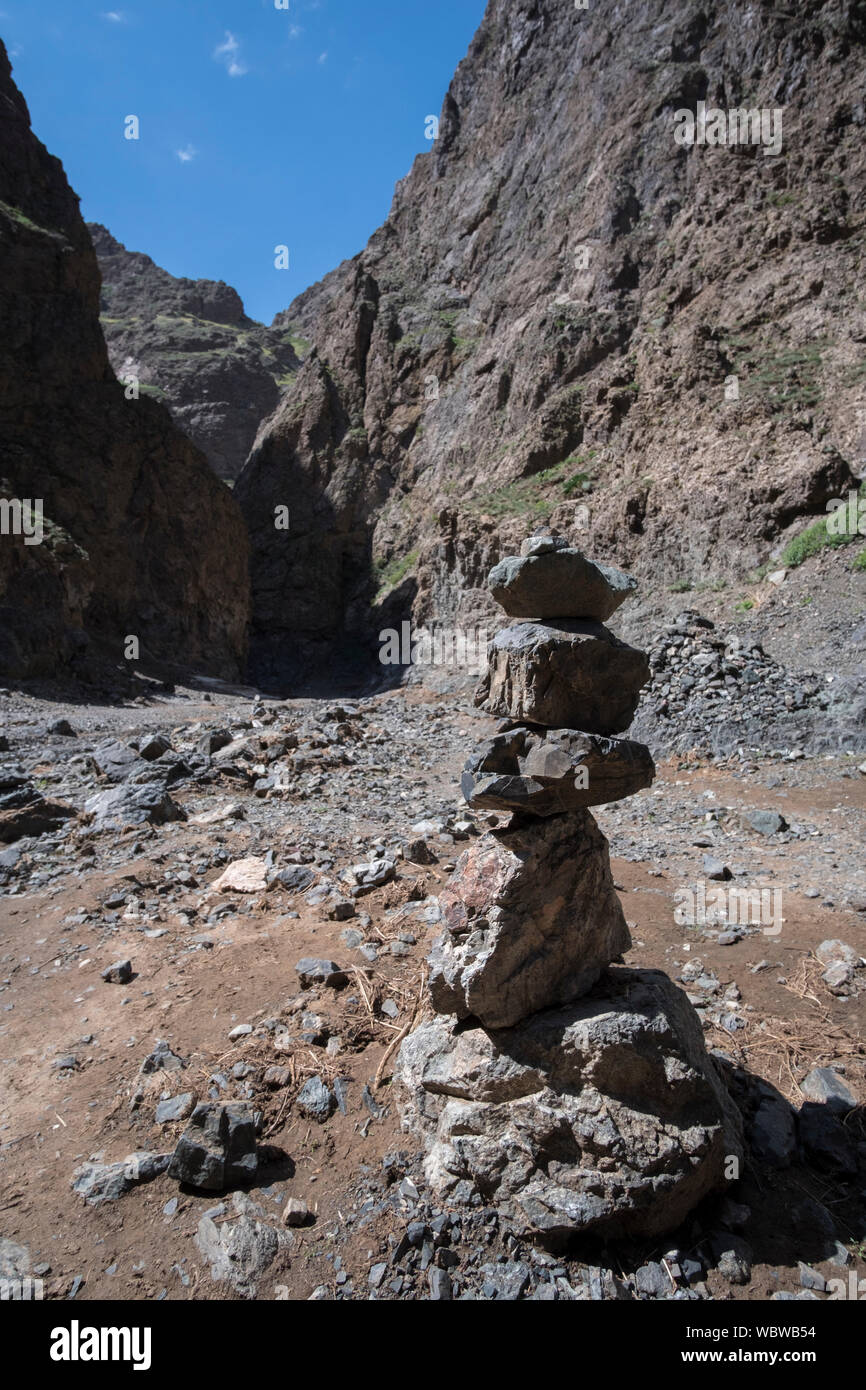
(136, 538)
(190, 345)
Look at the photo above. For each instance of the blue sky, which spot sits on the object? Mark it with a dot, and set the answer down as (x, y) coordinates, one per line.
(259, 126)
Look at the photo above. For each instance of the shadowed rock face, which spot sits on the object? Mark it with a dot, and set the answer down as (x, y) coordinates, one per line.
(607, 1115)
(192, 346)
(139, 537)
(550, 313)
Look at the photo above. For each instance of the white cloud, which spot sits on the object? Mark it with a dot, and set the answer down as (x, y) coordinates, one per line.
(295, 31)
(323, 57)
(228, 45)
(186, 154)
(228, 51)
(114, 16)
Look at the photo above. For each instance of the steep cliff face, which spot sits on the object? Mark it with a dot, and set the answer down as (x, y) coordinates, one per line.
(138, 538)
(570, 316)
(191, 346)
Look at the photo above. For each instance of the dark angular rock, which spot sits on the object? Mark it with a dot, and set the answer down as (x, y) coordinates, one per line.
(177, 1108)
(162, 1058)
(118, 974)
(153, 747)
(316, 1100)
(320, 972)
(765, 822)
(217, 1149)
(146, 803)
(295, 878)
(61, 728)
(115, 760)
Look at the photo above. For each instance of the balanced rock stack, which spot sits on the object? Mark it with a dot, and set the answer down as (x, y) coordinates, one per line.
(570, 1095)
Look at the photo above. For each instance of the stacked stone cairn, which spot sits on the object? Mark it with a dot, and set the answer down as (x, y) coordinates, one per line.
(570, 1095)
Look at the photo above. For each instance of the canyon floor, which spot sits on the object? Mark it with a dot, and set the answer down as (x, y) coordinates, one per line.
(323, 786)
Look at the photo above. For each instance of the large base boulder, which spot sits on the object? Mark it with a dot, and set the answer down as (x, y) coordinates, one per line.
(548, 773)
(531, 918)
(567, 674)
(606, 1116)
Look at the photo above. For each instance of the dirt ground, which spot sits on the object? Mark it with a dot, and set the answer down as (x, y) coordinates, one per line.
(55, 941)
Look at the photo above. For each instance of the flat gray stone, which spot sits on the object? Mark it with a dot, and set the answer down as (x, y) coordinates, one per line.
(145, 803)
(563, 770)
(558, 583)
(107, 1182)
(320, 972)
(764, 822)
(177, 1108)
(824, 1084)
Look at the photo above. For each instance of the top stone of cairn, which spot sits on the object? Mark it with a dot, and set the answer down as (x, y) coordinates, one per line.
(549, 579)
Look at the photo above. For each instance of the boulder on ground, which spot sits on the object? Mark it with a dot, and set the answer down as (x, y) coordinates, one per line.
(243, 876)
(145, 803)
(239, 1252)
